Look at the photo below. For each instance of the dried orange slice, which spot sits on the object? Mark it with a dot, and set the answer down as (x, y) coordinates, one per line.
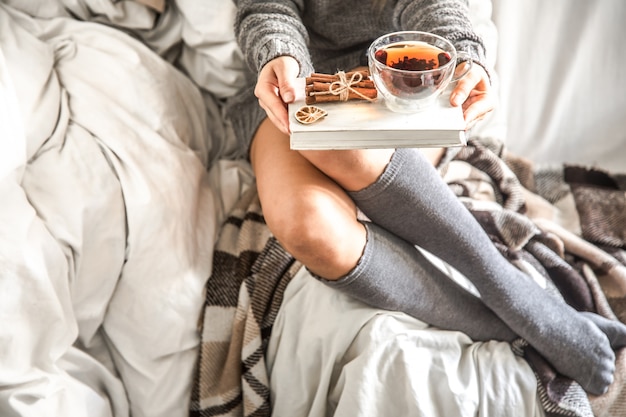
(310, 114)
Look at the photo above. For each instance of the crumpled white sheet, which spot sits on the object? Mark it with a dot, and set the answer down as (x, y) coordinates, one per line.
(332, 355)
(107, 222)
(210, 54)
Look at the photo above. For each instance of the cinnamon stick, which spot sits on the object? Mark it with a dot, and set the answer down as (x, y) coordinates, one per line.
(313, 97)
(320, 86)
(329, 78)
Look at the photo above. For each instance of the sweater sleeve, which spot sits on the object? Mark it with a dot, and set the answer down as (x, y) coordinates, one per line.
(267, 29)
(447, 18)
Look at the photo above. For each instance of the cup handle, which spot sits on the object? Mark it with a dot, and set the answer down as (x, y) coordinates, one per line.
(467, 58)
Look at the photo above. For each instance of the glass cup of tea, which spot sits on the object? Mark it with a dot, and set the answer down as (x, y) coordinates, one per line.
(411, 69)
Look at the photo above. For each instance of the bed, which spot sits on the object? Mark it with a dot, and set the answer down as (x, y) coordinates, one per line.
(139, 279)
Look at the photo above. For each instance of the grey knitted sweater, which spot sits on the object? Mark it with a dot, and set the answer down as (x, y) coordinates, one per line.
(331, 35)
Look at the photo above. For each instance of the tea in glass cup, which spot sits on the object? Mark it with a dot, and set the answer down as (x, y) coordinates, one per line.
(411, 69)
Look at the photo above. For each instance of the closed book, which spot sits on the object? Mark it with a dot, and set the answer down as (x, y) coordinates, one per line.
(359, 124)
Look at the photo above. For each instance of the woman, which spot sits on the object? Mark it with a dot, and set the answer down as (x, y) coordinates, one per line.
(310, 198)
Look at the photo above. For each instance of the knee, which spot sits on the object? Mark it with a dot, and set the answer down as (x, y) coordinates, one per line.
(326, 241)
(303, 231)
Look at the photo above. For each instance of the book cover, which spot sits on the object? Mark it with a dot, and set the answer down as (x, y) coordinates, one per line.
(358, 124)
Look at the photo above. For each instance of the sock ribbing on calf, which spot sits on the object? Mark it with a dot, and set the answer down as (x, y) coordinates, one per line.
(411, 201)
(394, 275)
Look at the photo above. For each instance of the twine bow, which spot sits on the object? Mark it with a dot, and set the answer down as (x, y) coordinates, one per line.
(343, 86)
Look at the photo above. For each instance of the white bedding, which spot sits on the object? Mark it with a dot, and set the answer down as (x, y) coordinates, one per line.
(113, 191)
(332, 355)
(107, 222)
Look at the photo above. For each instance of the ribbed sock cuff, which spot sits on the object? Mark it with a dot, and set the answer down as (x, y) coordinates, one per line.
(395, 165)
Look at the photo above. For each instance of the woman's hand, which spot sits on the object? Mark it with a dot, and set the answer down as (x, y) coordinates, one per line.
(275, 88)
(474, 93)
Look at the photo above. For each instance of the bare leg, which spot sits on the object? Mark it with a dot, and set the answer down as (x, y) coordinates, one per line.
(312, 217)
(315, 220)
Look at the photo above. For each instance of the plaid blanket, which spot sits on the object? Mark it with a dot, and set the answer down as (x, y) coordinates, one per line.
(243, 295)
(566, 223)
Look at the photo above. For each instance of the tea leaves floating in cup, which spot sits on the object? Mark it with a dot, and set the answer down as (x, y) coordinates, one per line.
(412, 56)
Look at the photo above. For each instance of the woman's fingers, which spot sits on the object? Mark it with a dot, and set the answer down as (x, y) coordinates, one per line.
(473, 92)
(275, 89)
(477, 107)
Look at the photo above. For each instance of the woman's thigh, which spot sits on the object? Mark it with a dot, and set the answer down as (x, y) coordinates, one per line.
(312, 216)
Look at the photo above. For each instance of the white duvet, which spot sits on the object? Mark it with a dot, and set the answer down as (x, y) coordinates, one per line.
(107, 222)
(331, 355)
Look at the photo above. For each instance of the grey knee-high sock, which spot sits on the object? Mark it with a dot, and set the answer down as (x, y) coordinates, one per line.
(393, 275)
(411, 201)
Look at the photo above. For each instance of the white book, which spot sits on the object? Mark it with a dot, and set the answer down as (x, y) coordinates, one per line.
(358, 124)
